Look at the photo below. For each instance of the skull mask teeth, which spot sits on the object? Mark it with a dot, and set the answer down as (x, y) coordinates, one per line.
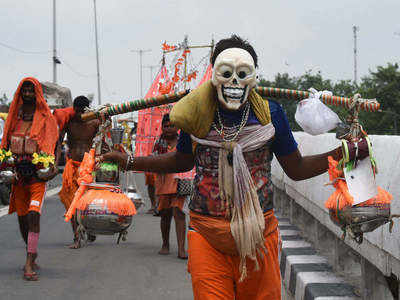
(234, 76)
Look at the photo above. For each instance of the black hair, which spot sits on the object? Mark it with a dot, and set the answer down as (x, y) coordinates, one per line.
(81, 102)
(27, 83)
(165, 119)
(234, 42)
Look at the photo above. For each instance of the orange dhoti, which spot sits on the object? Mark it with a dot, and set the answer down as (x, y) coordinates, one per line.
(215, 275)
(70, 182)
(26, 198)
(170, 201)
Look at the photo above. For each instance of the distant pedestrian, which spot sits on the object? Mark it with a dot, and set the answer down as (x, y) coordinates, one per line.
(166, 185)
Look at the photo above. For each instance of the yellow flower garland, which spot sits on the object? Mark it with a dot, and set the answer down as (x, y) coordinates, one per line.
(43, 158)
(5, 154)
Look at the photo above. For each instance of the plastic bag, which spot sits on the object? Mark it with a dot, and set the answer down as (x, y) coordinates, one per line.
(313, 116)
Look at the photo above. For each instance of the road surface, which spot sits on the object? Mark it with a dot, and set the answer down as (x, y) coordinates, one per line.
(102, 270)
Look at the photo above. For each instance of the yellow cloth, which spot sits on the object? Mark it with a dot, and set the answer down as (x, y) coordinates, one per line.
(3, 116)
(195, 112)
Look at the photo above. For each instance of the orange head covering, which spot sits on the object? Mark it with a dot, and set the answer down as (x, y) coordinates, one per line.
(44, 127)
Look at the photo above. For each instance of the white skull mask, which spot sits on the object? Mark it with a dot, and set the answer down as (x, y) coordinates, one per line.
(234, 75)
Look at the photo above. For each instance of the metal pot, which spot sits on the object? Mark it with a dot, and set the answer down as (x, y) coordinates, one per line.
(7, 176)
(361, 219)
(135, 197)
(99, 221)
(43, 173)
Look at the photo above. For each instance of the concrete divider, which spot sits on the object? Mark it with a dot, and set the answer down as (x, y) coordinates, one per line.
(303, 202)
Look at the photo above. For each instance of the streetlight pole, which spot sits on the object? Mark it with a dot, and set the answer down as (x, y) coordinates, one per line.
(355, 29)
(97, 53)
(141, 51)
(55, 59)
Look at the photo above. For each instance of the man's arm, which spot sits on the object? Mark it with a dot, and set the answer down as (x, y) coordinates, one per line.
(173, 162)
(298, 167)
(58, 148)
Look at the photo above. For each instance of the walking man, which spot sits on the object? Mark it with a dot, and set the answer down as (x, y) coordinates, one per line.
(79, 140)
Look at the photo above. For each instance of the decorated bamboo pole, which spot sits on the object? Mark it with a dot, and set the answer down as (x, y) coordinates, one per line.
(370, 105)
(134, 105)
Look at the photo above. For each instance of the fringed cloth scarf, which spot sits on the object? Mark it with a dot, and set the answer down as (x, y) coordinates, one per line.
(237, 189)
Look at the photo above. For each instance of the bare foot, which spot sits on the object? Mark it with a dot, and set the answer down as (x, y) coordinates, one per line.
(75, 245)
(30, 276)
(182, 254)
(29, 273)
(164, 251)
(35, 267)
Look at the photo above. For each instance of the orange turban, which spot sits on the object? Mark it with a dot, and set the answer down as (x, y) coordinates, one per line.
(44, 127)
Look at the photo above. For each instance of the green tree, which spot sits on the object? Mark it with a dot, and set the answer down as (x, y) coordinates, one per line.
(382, 84)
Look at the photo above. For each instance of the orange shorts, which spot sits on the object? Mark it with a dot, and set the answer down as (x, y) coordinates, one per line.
(169, 201)
(216, 275)
(149, 178)
(26, 198)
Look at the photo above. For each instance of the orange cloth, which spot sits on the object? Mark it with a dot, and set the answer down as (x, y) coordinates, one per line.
(85, 176)
(44, 127)
(217, 230)
(63, 116)
(341, 196)
(26, 198)
(215, 275)
(149, 178)
(70, 182)
(166, 183)
(117, 203)
(170, 201)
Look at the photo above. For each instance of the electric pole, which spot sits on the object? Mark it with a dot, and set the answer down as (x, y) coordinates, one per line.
(55, 58)
(355, 29)
(141, 51)
(97, 53)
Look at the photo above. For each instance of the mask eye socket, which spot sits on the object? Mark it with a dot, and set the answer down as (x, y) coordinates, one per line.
(243, 72)
(226, 71)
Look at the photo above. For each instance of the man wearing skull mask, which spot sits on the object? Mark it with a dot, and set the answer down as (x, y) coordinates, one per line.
(230, 134)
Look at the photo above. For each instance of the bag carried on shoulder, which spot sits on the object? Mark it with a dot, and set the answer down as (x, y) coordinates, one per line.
(185, 187)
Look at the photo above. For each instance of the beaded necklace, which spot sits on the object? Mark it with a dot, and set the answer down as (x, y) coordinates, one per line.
(230, 133)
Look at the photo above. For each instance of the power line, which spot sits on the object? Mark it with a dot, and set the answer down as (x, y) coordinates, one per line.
(75, 71)
(23, 51)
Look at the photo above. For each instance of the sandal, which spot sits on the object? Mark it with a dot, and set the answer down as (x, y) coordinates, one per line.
(31, 276)
(35, 267)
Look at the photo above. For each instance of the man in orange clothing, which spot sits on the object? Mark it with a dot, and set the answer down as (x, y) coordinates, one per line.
(166, 185)
(30, 128)
(231, 134)
(79, 140)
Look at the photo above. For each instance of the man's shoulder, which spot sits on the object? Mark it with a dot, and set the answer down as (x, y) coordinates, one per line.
(76, 127)
(274, 107)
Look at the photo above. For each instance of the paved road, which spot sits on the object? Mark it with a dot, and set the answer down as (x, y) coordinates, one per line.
(102, 270)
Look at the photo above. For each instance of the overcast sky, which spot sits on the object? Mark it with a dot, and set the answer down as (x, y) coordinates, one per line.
(289, 36)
